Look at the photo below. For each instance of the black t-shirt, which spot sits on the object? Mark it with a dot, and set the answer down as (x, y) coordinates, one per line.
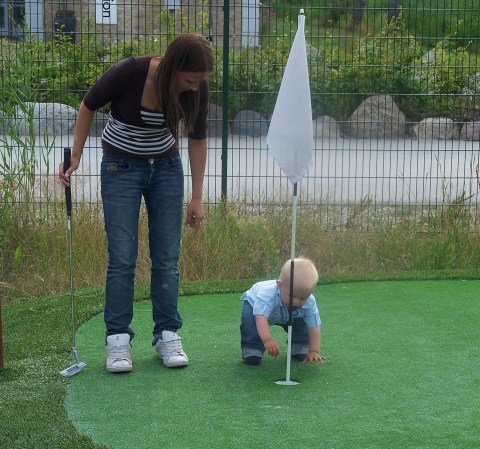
(132, 129)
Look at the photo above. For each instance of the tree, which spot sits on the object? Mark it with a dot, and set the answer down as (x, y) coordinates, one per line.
(393, 9)
(358, 6)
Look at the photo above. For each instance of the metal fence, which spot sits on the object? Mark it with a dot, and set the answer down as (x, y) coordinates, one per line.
(395, 92)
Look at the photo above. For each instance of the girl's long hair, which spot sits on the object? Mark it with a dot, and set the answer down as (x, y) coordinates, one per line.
(187, 53)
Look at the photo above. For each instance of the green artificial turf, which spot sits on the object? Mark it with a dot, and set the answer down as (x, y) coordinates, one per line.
(401, 371)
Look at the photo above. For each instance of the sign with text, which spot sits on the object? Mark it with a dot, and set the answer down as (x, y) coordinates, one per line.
(106, 12)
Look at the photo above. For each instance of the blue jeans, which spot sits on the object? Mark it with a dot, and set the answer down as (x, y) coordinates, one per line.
(123, 184)
(251, 343)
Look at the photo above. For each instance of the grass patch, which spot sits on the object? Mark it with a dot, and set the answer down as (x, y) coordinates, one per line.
(383, 384)
(414, 332)
(416, 340)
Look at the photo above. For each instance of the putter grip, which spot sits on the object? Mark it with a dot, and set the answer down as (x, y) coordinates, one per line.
(67, 152)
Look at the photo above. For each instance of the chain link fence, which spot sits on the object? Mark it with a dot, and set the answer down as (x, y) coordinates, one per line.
(395, 90)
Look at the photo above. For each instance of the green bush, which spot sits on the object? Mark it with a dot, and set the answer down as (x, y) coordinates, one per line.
(255, 74)
(438, 79)
(379, 64)
(389, 61)
(393, 62)
(52, 71)
(59, 71)
(431, 19)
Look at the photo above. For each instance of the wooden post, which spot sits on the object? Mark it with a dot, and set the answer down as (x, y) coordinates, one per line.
(1, 337)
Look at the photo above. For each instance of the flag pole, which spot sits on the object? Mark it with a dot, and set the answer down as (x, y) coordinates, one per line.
(290, 139)
(292, 274)
(288, 380)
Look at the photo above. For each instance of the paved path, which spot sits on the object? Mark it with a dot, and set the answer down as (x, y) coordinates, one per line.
(342, 171)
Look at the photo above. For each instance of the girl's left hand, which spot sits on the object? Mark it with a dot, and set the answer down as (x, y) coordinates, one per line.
(194, 214)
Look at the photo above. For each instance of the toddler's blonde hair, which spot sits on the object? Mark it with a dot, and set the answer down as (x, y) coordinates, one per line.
(305, 276)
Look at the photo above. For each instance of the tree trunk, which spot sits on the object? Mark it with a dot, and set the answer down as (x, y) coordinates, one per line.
(393, 9)
(358, 6)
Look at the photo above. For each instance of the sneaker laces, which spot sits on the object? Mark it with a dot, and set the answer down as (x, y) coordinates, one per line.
(119, 353)
(173, 347)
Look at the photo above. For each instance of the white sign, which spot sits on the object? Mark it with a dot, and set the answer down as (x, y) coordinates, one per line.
(250, 23)
(106, 12)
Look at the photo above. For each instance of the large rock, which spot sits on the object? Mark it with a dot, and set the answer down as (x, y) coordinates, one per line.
(442, 128)
(47, 118)
(377, 117)
(249, 123)
(326, 127)
(215, 121)
(470, 131)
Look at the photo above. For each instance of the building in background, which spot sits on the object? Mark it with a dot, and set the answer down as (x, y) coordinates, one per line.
(15, 15)
(122, 19)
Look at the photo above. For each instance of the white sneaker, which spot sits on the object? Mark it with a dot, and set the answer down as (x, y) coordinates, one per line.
(169, 349)
(118, 353)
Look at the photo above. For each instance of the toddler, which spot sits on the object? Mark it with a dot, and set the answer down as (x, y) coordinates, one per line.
(267, 302)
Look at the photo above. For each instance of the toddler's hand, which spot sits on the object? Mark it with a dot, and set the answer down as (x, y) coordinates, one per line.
(272, 347)
(313, 357)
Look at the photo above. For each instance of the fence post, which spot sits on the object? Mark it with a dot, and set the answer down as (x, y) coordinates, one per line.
(1, 337)
(225, 89)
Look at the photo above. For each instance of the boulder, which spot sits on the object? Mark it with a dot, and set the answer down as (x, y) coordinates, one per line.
(249, 123)
(326, 127)
(377, 117)
(470, 131)
(442, 128)
(47, 118)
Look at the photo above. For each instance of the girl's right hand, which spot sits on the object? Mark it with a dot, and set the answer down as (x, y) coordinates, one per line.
(65, 177)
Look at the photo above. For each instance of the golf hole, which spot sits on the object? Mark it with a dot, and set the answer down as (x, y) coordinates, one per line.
(285, 382)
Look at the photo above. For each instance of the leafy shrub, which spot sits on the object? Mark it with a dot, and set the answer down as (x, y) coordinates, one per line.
(379, 64)
(53, 71)
(438, 83)
(439, 78)
(390, 62)
(255, 74)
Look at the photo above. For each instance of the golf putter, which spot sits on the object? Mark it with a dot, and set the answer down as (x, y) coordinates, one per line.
(78, 366)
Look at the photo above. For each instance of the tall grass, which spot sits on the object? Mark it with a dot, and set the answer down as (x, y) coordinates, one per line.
(233, 244)
(19, 163)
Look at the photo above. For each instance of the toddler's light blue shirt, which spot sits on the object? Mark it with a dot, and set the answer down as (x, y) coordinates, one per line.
(265, 299)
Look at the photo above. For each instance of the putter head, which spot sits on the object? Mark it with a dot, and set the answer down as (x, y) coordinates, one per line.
(74, 369)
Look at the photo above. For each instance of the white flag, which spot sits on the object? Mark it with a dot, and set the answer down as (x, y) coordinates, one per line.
(290, 137)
